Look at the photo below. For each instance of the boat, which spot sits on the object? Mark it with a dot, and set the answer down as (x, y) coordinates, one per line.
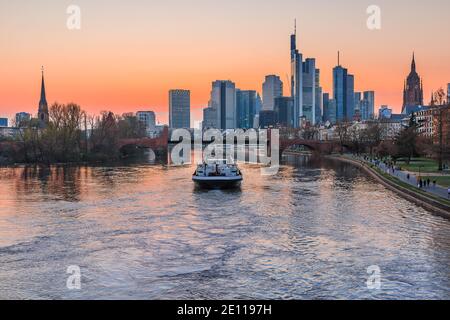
(217, 174)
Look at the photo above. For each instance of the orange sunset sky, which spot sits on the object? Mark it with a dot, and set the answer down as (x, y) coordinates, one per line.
(128, 54)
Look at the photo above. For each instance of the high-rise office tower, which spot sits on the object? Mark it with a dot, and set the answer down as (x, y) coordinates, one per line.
(343, 93)
(305, 87)
(369, 105)
(318, 100)
(308, 108)
(272, 88)
(246, 107)
(209, 118)
(284, 110)
(340, 92)
(223, 100)
(358, 98)
(448, 93)
(296, 79)
(350, 97)
(179, 109)
(329, 109)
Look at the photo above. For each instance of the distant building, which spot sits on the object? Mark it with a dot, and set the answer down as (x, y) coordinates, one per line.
(210, 118)
(267, 119)
(284, 112)
(350, 97)
(343, 92)
(3, 122)
(425, 119)
(413, 90)
(148, 119)
(43, 116)
(358, 99)
(368, 105)
(246, 108)
(385, 112)
(329, 109)
(442, 118)
(318, 100)
(308, 107)
(391, 127)
(272, 88)
(223, 101)
(22, 118)
(179, 109)
(296, 79)
(448, 93)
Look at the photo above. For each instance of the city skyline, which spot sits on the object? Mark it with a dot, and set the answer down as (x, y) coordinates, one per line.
(137, 75)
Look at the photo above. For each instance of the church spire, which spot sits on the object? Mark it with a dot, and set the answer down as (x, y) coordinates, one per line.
(413, 63)
(43, 115)
(43, 100)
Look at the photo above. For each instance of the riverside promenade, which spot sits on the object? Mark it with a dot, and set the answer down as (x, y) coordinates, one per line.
(431, 198)
(409, 178)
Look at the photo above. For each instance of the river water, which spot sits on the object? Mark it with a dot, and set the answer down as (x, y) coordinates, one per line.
(144, 232)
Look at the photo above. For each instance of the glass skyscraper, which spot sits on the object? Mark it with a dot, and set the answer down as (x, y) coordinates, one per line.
(179, 109)
(246, 108)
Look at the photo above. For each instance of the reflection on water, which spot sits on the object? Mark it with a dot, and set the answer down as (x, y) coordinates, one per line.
(144, 231)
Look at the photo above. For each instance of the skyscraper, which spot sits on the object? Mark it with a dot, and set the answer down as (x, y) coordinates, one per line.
(329, 109)
(223, 101)
(246, 106)
(284, 110)
(308, 108)
(43, 116)
(179, 108)
(210, 118)
(340, 92)
(448, 93)
(272, 88)
(296, 79)
(344, 93)
(413, 91)
(368, 105)
(318, 99)
(305, 86)
(358, 103)
(350, 97)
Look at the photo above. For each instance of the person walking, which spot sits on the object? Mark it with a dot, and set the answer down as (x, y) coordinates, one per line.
(448, 192)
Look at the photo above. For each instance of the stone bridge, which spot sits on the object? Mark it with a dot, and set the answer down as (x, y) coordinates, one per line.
(313, 145)
(158, 143)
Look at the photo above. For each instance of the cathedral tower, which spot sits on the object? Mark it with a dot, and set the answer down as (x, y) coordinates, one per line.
(413, 91)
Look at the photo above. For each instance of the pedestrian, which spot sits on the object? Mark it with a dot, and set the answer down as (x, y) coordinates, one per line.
(428, 182)
(448, 192)
(420, 184)
(407, 176)
(434, 183)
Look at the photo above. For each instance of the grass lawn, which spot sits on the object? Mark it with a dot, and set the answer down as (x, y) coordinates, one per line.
(443, 181)
(419, 164)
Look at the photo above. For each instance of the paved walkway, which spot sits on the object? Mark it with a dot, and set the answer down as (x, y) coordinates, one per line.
(403, 176)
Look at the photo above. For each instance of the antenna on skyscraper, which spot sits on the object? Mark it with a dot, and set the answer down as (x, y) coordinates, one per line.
(339, 59)
(295, 26)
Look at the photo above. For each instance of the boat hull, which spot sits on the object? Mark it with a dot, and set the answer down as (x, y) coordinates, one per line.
(217, 182)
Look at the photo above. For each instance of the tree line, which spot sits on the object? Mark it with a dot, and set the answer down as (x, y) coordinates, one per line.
(71, 135)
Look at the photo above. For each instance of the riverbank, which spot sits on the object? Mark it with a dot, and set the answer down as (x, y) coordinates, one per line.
(436, 205)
